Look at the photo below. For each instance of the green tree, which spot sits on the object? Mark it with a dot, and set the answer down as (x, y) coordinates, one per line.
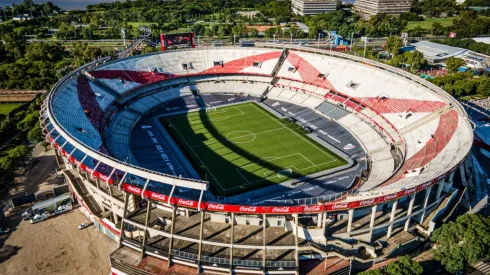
(415, 60)
(19, 153)
(463, 242)
(35, 135)
(453, 64)
(29, 121)
(254, 33)
(270, 32)
(393, 45)
(437, 28)
(404, 266)
(198, 29)
(6, 163)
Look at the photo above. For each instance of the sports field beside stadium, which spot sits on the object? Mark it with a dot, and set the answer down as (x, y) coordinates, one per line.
(241, 147)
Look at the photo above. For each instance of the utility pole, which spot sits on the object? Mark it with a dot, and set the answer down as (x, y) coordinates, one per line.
(123, 32)
(291, 39)
(365, 46)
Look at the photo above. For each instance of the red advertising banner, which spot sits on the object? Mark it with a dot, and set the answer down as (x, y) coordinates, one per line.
(316, 208)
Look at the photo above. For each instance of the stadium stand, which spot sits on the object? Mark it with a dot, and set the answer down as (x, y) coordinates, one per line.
(332, 111)
(410, 136)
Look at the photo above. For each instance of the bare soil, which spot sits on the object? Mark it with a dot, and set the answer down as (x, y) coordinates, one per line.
(53, 246)
(56, 246)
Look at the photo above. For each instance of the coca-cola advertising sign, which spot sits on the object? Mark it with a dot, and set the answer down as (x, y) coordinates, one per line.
(366, 202)
(340, 206)
(313, 208)
(216, 207)
(390, 197)
(158, 197)
(248, 209)
(284, 209)
(187, 203)
(132, 189)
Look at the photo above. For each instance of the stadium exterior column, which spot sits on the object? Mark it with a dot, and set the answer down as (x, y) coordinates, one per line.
(172, 227)
(264, 225)
(116, 219)
(231, 241)
(463, 175)
(371, 222)
(392, 218)
(409, 212)
(110, 191)
(439, 189)
(349, 222)
(451, 178)
(324, 224)
(125, 210)
(201, 230)
(145, 234)
(426, 201)
(319, 220)
(296, 241)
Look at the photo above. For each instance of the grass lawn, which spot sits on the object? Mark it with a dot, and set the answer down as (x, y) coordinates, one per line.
(139, 24)
(242, 147)
(427, 23)
(5, 108)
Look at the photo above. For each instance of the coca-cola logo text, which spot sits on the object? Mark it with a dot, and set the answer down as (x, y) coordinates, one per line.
(213, 206)
(157, 196)
(280, 210)
(366, 202)
(340, 206)
(248, 209)
(133, 189)
(312, 208)
(185, 202)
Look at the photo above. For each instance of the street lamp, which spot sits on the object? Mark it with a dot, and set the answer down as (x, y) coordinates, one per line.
(291, 39)
(274, 35)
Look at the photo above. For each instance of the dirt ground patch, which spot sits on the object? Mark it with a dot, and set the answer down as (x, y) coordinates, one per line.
(56, 246)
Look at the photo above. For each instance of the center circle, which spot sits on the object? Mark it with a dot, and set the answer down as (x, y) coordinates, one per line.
(240, 136)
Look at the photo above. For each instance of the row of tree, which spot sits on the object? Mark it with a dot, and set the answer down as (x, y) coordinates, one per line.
(463, 84)
(19, 127)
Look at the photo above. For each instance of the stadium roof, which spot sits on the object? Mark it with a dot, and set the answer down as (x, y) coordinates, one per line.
(435, 52)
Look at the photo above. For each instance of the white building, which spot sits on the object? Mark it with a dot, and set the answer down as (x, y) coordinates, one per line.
(312, 7)
(369, 8)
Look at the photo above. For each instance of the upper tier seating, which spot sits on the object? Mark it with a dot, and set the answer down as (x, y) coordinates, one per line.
(77, 110)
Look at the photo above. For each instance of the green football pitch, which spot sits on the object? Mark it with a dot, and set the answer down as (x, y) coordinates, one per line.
(241, 147)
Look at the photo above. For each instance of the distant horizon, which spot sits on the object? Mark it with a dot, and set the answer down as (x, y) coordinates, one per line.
(64, 4)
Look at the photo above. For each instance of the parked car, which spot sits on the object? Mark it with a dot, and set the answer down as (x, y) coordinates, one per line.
(4, 230)
(83, 225)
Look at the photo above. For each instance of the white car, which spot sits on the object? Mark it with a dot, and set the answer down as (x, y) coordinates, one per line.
(83, 225)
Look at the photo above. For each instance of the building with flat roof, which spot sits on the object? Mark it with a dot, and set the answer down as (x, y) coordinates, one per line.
(435, 52)
(369, 8)
(438, 53)
(312, 7)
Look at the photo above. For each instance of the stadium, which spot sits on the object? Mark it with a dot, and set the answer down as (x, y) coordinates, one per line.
(256, 159)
